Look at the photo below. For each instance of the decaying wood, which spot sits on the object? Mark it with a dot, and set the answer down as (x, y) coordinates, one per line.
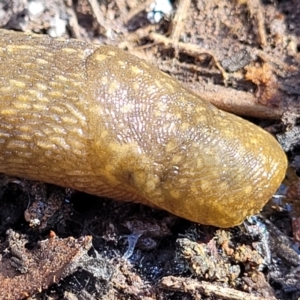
(24, 272)
(197, 288)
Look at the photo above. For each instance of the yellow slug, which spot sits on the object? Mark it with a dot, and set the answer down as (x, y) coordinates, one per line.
(99, 120)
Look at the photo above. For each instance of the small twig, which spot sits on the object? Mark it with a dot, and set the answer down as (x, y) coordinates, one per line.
(97, 13)
(238, 102)
(73, 21)
(193, 286)
(256, 12)
(275, 61)
(177, 24)
(190, 49)
(141, 7)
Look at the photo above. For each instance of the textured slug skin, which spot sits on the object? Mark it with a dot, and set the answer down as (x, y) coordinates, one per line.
(100, 120)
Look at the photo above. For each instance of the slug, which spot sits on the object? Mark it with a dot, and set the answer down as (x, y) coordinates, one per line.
(99, 120)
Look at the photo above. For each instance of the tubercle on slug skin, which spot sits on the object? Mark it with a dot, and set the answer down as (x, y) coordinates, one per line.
(102, 121)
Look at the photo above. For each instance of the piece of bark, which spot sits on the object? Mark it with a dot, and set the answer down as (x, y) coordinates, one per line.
(24, 272)
(238, 102)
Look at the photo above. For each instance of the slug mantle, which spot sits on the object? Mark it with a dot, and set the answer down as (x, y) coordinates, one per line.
(99, 120)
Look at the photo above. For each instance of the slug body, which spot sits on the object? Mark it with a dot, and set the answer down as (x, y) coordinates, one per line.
(99, 120)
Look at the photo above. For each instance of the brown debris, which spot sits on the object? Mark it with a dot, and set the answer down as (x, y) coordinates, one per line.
(202, 262)
(127, 282)
(257, 282)
(42, 206)
(206, 261)
(282, 245)
(266, 83)
(24, 272)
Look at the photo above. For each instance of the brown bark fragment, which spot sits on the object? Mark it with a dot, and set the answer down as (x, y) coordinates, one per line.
(24, 272)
